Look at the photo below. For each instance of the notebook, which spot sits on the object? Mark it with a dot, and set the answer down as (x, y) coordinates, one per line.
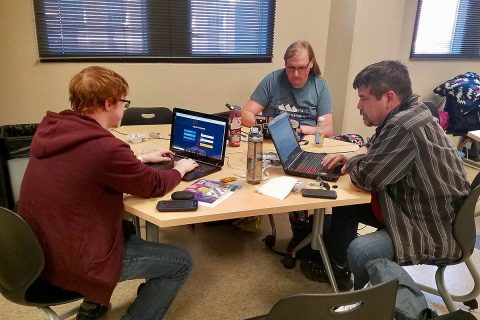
(295, 161)
(201, 137)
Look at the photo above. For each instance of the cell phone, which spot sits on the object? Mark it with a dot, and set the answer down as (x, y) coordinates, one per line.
(177, 205)
(318, 193)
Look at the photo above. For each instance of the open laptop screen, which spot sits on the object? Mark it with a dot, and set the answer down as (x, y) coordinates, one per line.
(198, 136)
(283, 136)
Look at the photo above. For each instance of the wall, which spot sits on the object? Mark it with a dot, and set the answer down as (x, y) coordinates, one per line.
(339, 52)
(347, 35)
(377, 27)
(28, 88)
(383, 30)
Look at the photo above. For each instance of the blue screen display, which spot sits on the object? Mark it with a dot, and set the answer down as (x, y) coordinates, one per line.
(283, 136)
(198, 135)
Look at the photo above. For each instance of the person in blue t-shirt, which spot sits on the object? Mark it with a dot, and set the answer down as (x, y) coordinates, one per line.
(299, 90)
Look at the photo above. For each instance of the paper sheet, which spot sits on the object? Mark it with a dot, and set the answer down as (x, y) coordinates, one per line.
(278, 187)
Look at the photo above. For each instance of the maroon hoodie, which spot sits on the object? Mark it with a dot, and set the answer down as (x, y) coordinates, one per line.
(72, 197)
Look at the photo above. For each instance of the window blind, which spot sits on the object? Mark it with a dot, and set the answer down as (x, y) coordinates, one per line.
(447, 29)
(155, 30)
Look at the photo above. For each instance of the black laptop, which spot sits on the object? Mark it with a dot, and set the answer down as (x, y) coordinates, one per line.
(198, 136)
(295, 161)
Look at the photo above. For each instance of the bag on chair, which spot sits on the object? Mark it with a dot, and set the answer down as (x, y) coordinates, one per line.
(410, 303)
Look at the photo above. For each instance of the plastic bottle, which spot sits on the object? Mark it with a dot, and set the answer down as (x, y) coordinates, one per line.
(254, 155)
(234, 127)
(320, 131)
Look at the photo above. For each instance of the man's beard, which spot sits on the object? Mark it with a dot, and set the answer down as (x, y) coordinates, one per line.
(366, 120)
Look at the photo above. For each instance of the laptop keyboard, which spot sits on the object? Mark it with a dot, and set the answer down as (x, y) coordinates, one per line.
(202, 167)
(309, 164)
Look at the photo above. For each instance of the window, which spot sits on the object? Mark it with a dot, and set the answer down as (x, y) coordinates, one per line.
(447, 29)
(155, 30)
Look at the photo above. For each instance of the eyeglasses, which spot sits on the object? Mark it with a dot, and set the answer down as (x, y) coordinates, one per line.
(126, 103)
(299, 69)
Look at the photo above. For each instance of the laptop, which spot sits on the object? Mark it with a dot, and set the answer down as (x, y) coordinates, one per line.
(201, 137)
(295, 161)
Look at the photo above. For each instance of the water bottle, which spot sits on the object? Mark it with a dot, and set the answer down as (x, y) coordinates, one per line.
(254, 155)
(234, 127)
(320, 131)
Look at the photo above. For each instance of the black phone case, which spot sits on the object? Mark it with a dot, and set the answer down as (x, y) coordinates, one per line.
(182, 195)
(177, 205)
(318, 193)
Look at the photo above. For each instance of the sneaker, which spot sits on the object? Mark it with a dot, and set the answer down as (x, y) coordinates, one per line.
(315, 271)
(91, 311)
(344, 282)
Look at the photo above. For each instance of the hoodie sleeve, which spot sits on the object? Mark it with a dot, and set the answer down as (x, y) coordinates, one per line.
(123, 172)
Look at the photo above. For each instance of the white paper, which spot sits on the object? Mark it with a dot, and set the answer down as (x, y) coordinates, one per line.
(278, 187)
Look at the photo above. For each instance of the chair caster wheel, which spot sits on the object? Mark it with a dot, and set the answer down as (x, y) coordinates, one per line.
(472, 304)
(269, 241)
(289, 262)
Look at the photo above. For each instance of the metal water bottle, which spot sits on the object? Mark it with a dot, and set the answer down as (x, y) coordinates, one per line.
(254, 155)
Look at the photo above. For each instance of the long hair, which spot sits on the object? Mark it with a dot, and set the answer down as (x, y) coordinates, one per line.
(299, 45)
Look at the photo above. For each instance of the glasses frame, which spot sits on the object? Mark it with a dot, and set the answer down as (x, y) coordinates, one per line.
(299, 69)
(126, 103)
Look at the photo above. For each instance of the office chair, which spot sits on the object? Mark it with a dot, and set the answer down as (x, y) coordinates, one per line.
(374, 303)
(145, 116)
(433, 108)
(464, 233)
(21, 263)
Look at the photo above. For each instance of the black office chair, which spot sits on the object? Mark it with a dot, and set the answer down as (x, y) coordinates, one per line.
(21, 263)
(433, 108)
(144, 116)
(373, 303)
(465, 235)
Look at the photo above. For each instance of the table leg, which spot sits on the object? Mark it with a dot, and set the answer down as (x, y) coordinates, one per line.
(318, 244)
(151, 232)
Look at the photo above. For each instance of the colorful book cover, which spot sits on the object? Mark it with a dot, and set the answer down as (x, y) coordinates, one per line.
(210, 193)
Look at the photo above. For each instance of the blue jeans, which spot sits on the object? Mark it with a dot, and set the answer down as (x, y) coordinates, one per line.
(342, 235)
(367, 248)
(343, 228)
(164, 267)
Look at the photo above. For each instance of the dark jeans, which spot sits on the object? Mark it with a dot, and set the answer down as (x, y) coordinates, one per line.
(165, 268)
(343, 229)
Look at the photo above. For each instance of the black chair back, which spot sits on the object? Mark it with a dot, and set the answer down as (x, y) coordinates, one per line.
(145, 116)
(464, 223)
(21, 262)
(373, 303)
(21, 257)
